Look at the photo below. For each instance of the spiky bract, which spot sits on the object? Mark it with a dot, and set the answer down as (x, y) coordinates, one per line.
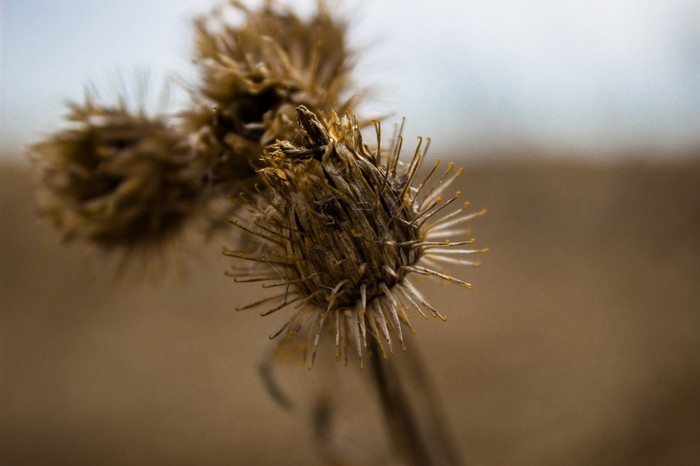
(343, 228)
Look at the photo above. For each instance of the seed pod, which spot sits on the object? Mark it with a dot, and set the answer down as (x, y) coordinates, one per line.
(118, 178)
(343, 230)
(254, 74)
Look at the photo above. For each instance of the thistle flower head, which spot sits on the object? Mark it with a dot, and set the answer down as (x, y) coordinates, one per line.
(343, 230)
(117, 178)
(254, 75)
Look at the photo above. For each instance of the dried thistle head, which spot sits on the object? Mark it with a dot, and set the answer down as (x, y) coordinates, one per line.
(117, 178)
(344, 229)
(253, 76)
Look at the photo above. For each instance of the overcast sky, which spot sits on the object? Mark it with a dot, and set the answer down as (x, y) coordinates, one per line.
(596, 75)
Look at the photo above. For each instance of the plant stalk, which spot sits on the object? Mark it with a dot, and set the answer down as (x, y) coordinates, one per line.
(410, 439)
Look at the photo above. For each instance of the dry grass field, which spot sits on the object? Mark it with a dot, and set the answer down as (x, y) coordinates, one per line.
(579, 345)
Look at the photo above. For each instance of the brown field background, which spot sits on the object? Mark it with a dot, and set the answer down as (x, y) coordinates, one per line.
(579, 344)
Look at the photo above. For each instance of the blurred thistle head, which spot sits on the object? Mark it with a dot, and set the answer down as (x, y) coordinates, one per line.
(254, 74)
(342, 231)
(117, 177)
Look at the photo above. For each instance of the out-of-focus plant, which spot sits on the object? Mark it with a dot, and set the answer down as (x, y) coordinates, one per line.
(254, 73)
(118, 178)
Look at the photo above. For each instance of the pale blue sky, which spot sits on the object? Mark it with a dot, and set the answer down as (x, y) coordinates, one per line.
(592, 75)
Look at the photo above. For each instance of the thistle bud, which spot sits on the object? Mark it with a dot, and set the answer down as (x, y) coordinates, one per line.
(255, 74)
(117, 178)
(344, 229)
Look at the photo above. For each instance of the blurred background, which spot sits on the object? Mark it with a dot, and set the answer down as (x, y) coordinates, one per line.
(595, 76)
(578, 124)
